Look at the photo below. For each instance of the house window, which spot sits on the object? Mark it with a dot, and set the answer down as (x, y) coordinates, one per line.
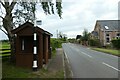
(23, 44)
(108, 40)
(107, 34)
(118, 36)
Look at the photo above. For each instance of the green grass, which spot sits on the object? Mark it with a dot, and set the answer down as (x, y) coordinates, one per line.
(110, 51)
(5, 45)
(53, 53)
(6, 51)
(5, 54)
(11, 71)
(43, 73)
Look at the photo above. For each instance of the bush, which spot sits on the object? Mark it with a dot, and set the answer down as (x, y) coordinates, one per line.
(56, 43)
(116, 43)
(94, 42)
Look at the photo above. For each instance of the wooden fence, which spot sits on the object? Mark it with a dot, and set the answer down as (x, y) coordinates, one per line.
(4, 53)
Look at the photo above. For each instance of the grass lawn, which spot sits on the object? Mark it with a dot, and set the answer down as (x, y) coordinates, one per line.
(5, 45)
(110, 51)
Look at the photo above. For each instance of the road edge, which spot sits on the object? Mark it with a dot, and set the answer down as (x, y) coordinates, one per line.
(67, 67)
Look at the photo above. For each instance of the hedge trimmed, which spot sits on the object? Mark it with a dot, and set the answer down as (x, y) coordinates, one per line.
(116, 43)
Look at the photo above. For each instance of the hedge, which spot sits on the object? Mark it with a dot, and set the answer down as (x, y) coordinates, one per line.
(116, 43)
(56, 43)
(94, 42)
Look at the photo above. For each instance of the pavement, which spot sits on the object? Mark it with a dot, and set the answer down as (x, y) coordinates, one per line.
(56, 63)
(60, 62)
(87, 63)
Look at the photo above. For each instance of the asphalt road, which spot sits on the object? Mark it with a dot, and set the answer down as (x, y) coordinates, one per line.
(87, 63)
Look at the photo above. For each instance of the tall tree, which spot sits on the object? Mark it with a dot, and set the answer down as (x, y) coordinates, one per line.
(17, 12)
(85, 37)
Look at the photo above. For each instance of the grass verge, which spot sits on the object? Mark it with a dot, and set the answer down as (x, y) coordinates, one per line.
(11, 71)
(109, 51)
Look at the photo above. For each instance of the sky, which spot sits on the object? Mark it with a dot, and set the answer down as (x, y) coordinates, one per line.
(77, 15)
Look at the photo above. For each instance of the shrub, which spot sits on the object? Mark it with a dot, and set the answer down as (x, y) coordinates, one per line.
(116, 43)
(94, 42)
(56, 43)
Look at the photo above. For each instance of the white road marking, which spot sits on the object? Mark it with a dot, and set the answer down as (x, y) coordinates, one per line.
(69, 64)
(67, 57)
(71, 73)
(86, 54)
(110, 66)
(64, 66)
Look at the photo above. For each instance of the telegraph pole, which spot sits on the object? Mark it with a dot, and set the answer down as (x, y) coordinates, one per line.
(35, 62)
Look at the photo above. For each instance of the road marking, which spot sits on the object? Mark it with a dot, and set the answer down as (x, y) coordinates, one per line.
(86, 54)
(110, 66)
(66, 57)
(63, 57)
(71, 73)
(69, 64)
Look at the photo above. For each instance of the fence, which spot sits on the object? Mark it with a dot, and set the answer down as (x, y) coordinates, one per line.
(4, 53)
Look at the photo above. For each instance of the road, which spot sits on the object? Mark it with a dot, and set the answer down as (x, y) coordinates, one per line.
(87, 63)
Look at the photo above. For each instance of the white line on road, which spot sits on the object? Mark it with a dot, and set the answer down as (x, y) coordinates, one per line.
(110, 66)
(71, 73)
(66, 57)
(69, 64)
(86, 54)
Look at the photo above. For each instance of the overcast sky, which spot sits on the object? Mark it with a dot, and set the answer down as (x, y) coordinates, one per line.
(77, 16)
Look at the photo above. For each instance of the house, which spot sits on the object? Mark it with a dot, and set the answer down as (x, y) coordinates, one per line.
(106, 30)
(78, 38)
(25, 52)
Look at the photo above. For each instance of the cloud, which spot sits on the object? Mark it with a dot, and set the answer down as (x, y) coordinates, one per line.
(3, 36)
(78, 15)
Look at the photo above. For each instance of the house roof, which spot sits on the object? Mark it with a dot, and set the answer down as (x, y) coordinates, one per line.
(29, 24)
(109, 24)
(78, 36)
(95, 33)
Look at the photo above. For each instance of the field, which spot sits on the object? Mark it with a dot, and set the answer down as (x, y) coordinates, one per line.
(5, 49)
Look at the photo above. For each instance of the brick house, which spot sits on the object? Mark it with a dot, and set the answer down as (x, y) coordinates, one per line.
(106, 30)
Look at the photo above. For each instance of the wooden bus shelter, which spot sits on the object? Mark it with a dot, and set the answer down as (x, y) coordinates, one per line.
(24, 45)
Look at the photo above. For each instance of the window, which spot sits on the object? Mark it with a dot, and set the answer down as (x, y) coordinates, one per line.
(23, 44)
(118, 36)
(107, 39)
(26, 44)
(107, 34)
(106, 27)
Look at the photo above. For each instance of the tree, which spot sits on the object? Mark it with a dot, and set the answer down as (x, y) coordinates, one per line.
(25, 11)
(85, 37)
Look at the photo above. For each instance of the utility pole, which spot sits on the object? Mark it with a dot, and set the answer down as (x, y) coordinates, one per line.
(57, 33)
(35, 62)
